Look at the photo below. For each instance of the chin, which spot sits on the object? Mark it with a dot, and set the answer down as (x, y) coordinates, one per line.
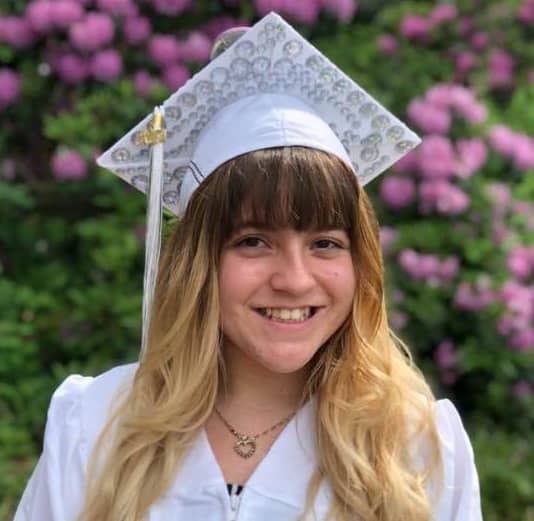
(284, 364)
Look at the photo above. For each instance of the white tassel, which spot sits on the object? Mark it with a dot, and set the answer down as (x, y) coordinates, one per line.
(156, 137)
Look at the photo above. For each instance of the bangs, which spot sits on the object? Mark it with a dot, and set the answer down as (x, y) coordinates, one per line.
(289, 187)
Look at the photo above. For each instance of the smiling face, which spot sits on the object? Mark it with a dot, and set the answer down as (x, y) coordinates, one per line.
(283, 293)
(281, 226)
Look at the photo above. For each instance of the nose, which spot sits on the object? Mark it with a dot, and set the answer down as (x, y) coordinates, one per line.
(292, 272)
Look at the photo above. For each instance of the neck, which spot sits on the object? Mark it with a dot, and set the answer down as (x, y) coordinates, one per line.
(252, 387)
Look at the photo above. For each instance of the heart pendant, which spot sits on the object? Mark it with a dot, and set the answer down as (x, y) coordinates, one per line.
(245, 447)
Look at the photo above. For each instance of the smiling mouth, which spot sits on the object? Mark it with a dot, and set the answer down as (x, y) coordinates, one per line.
(288, 316)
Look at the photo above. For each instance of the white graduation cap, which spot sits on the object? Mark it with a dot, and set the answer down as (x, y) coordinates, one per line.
(269, 88)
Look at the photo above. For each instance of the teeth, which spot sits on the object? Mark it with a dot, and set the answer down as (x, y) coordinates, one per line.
(287, 315)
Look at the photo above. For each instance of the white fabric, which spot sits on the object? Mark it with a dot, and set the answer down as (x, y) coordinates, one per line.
(275, 492)
(255, 123)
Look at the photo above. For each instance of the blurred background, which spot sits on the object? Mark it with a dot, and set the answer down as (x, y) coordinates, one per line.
(457, 214)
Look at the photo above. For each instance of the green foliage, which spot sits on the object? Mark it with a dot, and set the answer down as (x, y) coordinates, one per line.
(505, 469)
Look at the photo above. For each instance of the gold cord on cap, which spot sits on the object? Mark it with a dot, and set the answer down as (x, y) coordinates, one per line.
(155, 132)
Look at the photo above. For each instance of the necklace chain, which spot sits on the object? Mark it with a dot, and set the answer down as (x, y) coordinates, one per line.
(245, 446)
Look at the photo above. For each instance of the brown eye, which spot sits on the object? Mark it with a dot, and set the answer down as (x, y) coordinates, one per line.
(326, 244)
(250, 242)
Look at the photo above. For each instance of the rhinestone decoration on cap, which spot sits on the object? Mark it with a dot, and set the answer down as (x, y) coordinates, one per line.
(271, 57)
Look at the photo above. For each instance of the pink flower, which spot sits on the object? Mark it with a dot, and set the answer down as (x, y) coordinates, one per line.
(388, 236)
(445, 355)
(303, 12)
(465, 61)
(530, 77)
(519, 302)
(448, 269)
(502, 139)
(472, 155)
(428, 117)
(523, 154)
(479, 40)
(436, 157)
(459, 98)
(526, 13)
(465, 297)
(516, 146)
(474, 112)
(163, 49)
(195, 48)
(500, 195)
(143, 83)
(9, 87)
(92, 32)
(136, 29)
(16, 31)
(521, 262)
(442, 197)
(524, 340)
(65, 13)
(68, 164)
(399, 320)
(171, 7)
(415, 27)
(441, 94)
(72, 68)
(473, 298)
(398, 297)
(106, 65)
(264, 7)
(427, 269)
(39, 14)
(465, 104)
(407, 164)
(523, 389)
(499, 233)
(397, 192)
(447, 360)
(409, 262)
(387, 44)
(174, 76)
(465, 26)
(219, 24)
(501, 68)
(443, 13)
(522, 208)
(115, 7)
(343, 10)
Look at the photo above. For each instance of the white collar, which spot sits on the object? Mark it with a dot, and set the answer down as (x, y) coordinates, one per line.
(283, 474)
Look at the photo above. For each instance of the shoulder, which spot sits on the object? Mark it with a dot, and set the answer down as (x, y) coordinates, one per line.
(78, 411)
(459, 499)
(449, 424)
(81, 405)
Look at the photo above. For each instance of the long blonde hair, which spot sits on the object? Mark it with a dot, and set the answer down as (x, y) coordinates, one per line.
(372, 401)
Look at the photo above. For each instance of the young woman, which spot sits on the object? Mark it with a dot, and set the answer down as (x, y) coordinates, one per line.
(272, 387)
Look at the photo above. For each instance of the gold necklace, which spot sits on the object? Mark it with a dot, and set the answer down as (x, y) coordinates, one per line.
(245, 445)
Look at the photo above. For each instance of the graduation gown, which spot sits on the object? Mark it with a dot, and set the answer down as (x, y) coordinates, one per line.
(276, 491)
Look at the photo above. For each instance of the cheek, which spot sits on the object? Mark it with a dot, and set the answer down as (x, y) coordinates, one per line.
(238, 279)
(341, 281)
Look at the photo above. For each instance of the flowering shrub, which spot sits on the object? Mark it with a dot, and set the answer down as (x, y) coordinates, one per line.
(457, 213)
